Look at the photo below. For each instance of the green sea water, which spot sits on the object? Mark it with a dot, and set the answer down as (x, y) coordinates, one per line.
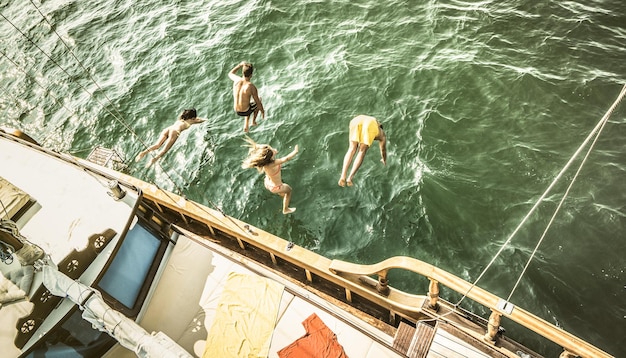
(483, 102)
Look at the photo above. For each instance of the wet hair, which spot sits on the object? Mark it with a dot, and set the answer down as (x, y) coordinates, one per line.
(247, 69)
(188, 114)
(259, 155)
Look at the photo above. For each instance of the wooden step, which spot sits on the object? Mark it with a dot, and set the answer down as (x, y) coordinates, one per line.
(403, 337)
(414, 342)
(422, 339)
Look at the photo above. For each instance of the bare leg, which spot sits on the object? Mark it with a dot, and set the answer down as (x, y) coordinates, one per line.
(286, 194)
(156, 146)
(246, 126)
(346, 162)
(173, 136)
(140, 155)
(256, 113)
(152, 161)
(357, 162)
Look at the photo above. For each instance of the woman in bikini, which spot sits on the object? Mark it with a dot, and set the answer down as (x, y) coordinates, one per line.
(263, 157)
(171, 134)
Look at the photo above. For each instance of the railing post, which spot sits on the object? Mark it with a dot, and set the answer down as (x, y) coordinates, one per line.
(567, 354)
(382, 285)
(492, 327)
(433, 294)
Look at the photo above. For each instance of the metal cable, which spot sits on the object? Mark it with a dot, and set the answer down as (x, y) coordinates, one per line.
(543, 196)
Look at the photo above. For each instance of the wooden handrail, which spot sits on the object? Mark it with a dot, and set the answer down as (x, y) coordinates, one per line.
(324, 266)
(566, 340)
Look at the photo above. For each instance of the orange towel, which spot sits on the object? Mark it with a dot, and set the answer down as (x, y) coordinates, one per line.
(318, 342)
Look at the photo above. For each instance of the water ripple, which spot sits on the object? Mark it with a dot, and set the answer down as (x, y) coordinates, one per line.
(484, 101)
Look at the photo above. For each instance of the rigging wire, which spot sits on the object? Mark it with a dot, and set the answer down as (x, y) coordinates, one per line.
(70, 76)
(76, 58)
(115, 116)
(47, 90)
(604, 121)
(120, 120)
(126, 126)
(595, 130)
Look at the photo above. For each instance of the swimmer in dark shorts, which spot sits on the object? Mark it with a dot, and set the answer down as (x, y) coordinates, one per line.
(247, 102)
(249, 111)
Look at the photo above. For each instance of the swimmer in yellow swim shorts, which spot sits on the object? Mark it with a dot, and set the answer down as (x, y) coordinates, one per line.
(364, 130)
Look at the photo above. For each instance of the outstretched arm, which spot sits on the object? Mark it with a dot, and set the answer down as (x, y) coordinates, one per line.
(288, 157)
(196, 120)
(232, 74)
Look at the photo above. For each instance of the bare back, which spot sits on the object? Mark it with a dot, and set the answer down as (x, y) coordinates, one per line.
(272, 171)
(242, 92)
(180, 125)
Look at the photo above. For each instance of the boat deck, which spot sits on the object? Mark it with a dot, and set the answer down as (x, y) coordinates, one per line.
(71, 204)
(199, 270)
(67, 205)
(204, 283)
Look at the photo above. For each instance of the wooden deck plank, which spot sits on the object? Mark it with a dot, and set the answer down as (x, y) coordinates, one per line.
(422, 340)
(404, 336)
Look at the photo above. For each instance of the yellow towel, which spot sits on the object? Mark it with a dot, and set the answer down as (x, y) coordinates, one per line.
(13, 199)
(245, 318)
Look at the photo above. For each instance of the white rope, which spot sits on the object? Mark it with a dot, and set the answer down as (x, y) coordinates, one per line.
(595, 130)
(604, 121)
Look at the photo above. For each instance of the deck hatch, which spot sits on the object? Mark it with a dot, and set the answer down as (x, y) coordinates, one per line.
(127, 273)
